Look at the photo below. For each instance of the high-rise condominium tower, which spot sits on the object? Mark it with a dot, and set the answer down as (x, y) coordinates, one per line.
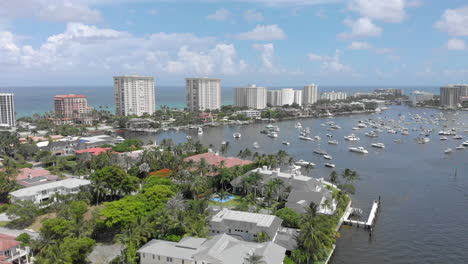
(7, 110)
(71, 106)
(203, 93)
(251, 96)
(450, 95)
(134, 95)
(310, 94)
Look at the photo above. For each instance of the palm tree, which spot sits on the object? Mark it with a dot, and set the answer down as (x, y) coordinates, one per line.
(277, 183)
(254, 259)
(262, 237)
(327, 205)
(334, 177)
(308, 167)
(281, 156)
(176, 203)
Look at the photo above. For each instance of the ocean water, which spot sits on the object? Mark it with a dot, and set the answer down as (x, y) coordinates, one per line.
(424, 210)
(39, 99)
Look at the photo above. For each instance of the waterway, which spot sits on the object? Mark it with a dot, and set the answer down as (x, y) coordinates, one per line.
(424, 211)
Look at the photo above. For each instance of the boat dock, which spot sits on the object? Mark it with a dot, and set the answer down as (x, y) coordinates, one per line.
(365, 224)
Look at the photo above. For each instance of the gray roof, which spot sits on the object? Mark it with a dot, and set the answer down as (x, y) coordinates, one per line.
(263, 220)
(299, 200)
(220, 249)
(33, 190)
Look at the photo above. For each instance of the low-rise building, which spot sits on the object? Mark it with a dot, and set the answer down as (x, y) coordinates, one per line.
(93, 151)
(35, 176)
(214, 159)
(11, 251)
(418, 97)
(44, 192)
(244, 225)
(332, 96)
(250, 113)
(220, 249)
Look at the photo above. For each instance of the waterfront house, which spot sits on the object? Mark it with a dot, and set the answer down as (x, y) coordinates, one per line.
(11, 250)
(220, 249)
(244, 225)
(214, 159)
(299, 190)
(41, 193)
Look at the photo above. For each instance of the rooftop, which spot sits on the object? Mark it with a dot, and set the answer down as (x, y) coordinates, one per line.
(7, 242)
(69, 96)
(33, 190)
(260, 219)
(214, 159)
(93, 151)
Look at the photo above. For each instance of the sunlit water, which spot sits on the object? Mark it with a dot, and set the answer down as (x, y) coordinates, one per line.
(424, 212)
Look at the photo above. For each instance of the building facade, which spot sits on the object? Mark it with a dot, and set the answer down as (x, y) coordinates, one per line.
(251, 96)
(274, 98)
(7, 110)
(250, 113)
(134, 95)
(203, 93)
(71, 106)
(419, 97)
(451, 95)
(298, 97)
(309, 94)
(287, 96)
(332, 96)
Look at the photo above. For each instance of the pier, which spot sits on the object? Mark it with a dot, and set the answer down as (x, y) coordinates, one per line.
(365, 224)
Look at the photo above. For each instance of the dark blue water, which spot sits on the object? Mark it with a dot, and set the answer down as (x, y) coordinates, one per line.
(424, 213)
(39, 99)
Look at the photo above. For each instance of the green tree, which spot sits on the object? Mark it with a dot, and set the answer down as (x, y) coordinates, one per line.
(262, 237)
(290, 217)
(334, 177)
(254, 259)
(56, 229)
(23, 213)
(113, 181)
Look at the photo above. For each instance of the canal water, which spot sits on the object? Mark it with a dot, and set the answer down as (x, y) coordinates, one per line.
(424, 212)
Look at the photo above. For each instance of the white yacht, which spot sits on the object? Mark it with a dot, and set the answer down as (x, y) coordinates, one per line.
(298, 125)
(465, 143)
(448, 151)
(200, 131)
(359, 150)
(371, 134)
(328, 157)
(443, 138)
(303, 163)
(378, 145)
(303, 137)
(330, 165)
(351, 137)
(460, 147)
(236, 135)
(333, 142)
(256, 145)
(317, 138)
(285, 143)
(457, 137)
(273, 134)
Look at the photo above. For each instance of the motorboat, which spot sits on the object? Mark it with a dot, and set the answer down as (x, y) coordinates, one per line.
(460, 147)
(351, 137)
(329, 165)
(188, 137)
(328, 157)
(317, 138)
(371, 134)
(303, 137)
(303, 163)
(273, 134)
(333, 142)
(378, 145)
(329, 135)
(360, 150)
(457, 137)
(465, 143)
(443, 138)
(448, 151)
(200, 131)
(320, 152)
(256, 145)
(285, 143)
(298, 125)
(236, 135)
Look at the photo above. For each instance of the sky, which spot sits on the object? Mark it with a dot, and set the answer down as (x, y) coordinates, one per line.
(266, 42)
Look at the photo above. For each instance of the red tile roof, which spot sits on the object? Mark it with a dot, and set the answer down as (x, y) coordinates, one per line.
(93, 151)
(33, 173)
(214, 159)
(7, 242)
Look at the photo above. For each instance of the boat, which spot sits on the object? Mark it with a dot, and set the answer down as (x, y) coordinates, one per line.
(328, 157)
(298, 125)
(371, 134)
(236, 135)
(457, 137)
(320, 152)
(330, 165)
(285, 143)
(351, 137)
(317, 138)
(359, 150)
(256, 145)
(465, 143)
(448, 151)
(329, 135)
(264, 131)
(200, 131)
(273, 134)
(333, 142)
(303, 163)
(460, 147)
(378, 145)
(443, 138)
(426, 140)
(306, 138)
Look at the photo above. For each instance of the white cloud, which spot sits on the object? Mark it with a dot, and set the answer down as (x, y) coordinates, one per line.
(263, 32)
(253, 15)
(383, 10)
(454, 21)
(267, 55)
(356, 45)
(362, 27)
(49, 10)
(220, 15)
(456, 44)
(330, 64)
(153, 12)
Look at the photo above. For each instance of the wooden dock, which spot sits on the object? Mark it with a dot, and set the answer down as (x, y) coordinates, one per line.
(365, 224)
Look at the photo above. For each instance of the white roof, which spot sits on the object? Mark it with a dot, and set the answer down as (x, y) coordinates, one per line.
(33, 190)
(42, 144)
(259, 219)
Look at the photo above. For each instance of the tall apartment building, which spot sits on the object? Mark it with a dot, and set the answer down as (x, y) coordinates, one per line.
(251, 96)
(298, 97)
(274, 98)
(310, 94)
(451, 95)
(7, 110)
(332, 96)
(287, 96)
(71, 106)
(134, 95)
(203, 93)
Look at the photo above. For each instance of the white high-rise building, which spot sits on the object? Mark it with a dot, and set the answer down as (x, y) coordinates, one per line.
(450, 95)
(332, 96)
(134, 95)
(274, 97)
(310, 94)
(287, 96)
(298, 97)
(203, 93)
(7, 110)
(251, 96)
(418, 97)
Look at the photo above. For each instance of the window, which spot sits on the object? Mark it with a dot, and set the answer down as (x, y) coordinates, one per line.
(168, 259)
(159, 257)
(154, 256)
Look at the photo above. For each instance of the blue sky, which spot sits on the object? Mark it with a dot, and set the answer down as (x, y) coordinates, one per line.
(267, 42)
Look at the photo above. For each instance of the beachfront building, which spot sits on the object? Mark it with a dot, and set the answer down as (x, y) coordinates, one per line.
(332, 96)
(417, 97)
(244, 225)
(304, 189)
(7, 110)
(71, 108)
(451, 95)
(12, 251)
(134, 95)
(251, 96)
(287, 96)
(203, 93)
(298, 97)
(44, 192)
(250, 113)
(310, 94)
(221, 248)
(274, 98)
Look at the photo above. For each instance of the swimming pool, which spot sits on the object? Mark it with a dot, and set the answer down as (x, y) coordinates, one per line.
(226, 199)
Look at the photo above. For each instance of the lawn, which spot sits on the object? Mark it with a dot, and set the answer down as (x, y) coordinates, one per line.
(231, 203)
